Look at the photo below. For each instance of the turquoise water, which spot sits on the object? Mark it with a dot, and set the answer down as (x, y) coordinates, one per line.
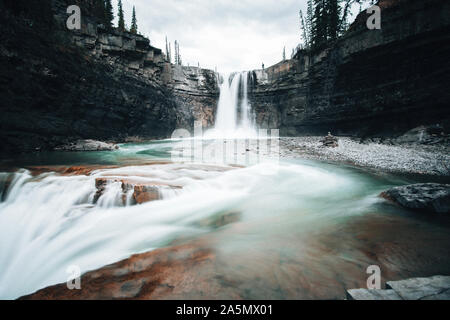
(279, 228)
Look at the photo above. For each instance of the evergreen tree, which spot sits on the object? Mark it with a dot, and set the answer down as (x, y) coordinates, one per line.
(167, 51)
(108, 14)
(332, 11)
(319, 24)
(40, 12)
(304, 31)
(306, 25)
(180, 62)
(121, 24)
(99, 10)
(309, 20)
(326, 20)
(284, 54)
(176, 52)
(134, 26)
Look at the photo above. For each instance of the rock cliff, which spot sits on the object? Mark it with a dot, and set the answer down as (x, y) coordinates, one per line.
(371, 82)
(58, 85)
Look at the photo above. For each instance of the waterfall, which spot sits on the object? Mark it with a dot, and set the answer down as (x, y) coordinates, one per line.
(234, 115)
(227, 112)
(248, 121)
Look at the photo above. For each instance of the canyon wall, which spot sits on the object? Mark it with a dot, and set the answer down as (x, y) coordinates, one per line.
(371, 82)
(58, 85)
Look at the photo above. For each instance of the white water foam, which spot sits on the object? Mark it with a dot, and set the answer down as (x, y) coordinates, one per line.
(228, 124)
(50, 222)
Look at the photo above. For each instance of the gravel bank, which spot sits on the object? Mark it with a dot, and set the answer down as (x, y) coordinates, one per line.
(417, 159)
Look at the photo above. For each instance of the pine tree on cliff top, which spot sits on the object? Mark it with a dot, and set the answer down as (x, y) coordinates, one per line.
(167, 51)
(176, 52)
(320, 24)
(134, 26)
(109, 14)
(99, 10)
(121, 25)
(334, 14)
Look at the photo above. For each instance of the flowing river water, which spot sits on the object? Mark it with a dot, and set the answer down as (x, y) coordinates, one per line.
(268, 223)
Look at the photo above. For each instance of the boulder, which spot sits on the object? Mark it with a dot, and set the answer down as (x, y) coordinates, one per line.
(423, 135)
(142, 191)
(143, 194)
(428, 197)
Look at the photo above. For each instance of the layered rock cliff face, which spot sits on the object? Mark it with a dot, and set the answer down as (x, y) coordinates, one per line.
(196, 92)
(59, 85)
(371, 82)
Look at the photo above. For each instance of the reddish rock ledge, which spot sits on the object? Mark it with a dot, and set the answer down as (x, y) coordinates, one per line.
(155, 275)
(142, 191)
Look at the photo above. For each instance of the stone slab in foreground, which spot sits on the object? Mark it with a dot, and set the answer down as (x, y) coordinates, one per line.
(433, 288)
(365, 294)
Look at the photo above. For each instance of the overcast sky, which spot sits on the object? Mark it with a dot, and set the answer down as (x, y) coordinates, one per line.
(232, 35)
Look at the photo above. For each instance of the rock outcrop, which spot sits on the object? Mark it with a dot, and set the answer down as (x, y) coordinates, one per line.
(88, 145)
(196, 92)
(59, 86)
(427, 135)
(433, 288)
(140, 192)
(428, 197)
(146, 276)
(369, 83)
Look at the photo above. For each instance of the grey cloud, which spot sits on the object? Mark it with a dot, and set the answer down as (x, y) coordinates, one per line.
(230, 34)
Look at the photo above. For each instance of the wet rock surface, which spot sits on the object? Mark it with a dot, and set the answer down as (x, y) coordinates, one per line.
(141, 192)
(297, 266)
(427, 197)
(432, 288)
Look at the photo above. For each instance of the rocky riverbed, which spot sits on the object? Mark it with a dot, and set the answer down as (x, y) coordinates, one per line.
(402, 158)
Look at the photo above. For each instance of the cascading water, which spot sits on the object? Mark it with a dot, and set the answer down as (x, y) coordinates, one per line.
(247, 121)
(296, 212)
(289, 214)
(234, 115)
